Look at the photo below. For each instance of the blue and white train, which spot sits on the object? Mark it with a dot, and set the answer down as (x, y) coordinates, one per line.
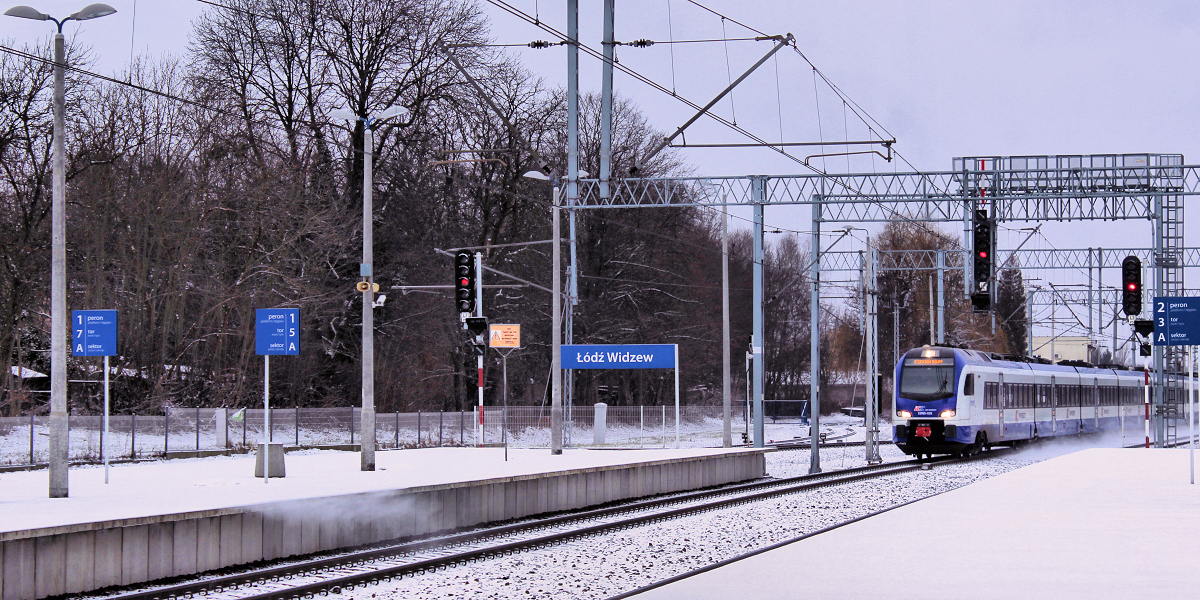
(956, 401)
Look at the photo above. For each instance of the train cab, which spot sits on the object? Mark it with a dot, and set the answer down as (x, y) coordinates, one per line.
(930, 400)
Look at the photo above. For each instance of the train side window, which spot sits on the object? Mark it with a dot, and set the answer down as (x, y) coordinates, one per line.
(969, 384)
(991, 394)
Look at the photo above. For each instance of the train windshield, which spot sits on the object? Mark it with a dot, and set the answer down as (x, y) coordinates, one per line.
(927, 378)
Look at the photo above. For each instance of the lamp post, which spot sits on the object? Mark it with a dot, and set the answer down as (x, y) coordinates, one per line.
(58, 253)
(556, 408)
(367, 433)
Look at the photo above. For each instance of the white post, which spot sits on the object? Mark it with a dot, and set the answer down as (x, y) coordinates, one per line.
(266, 452)
(104, 441)
(642, 426)
(676, 396)
(1191, 426)
(1146, 387)
(664, 427)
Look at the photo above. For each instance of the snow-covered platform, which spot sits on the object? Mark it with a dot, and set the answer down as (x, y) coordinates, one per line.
(164, 519)
(1100, 523)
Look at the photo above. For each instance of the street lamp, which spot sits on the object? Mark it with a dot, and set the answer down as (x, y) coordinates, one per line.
(58, 250)
(367, 443)
(556, 408)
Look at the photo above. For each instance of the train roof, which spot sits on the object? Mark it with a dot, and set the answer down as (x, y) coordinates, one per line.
(977, 357)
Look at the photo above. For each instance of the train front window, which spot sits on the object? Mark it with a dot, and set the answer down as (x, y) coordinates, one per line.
(927, 379)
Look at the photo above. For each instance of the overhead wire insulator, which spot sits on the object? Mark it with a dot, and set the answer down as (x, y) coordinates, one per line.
(540, 44)
(643, 43)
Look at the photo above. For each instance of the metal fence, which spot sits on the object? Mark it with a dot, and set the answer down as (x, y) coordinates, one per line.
(186, 431)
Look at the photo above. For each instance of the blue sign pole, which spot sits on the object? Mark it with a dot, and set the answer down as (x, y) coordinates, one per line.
(626, 356)
(276, 332)
(94, 333)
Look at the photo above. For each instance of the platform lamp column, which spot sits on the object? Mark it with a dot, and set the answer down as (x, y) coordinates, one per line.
(367, 441)
(59, 447)
(556, 407)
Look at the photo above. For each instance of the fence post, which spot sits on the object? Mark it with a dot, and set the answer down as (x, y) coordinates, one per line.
(245, 423)
(441, 415)
(461, 434)
(642, 426)
(31, 439)
(133, 435)
(397, 444)
(351, 425)
(297, 426)
(166, 430)
(664, 429)
(599, 423)
(418, 429)
(197, 432)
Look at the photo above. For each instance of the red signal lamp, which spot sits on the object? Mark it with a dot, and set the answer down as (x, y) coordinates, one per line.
(983, 254)
(1131, 286)
(464, 282)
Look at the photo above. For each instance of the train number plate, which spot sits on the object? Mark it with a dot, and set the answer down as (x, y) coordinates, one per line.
(924, 432)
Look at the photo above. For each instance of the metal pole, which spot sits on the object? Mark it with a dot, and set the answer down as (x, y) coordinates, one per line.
(572, 180)
(726, 375)
(1191, 426)
(266, 444)
(504, 434)
(367, 447)
(815, 339)
(104, 434)
(759, 331)
(676, 396)
(481, 438)
(606, 99)
(59, 442)
(556, 409)
(941, 297)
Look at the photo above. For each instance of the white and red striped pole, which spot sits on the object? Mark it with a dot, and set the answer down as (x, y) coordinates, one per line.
(1147, 387)
(479, 438)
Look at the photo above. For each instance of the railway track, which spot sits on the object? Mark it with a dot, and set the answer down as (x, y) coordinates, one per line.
(333, 574)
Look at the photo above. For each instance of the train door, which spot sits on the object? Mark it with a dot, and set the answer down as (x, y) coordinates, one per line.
(1000, 429)
(1053, 406)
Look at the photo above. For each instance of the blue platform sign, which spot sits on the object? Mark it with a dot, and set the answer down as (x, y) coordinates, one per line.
(94, 332)
(1176, 321)
(618, 356)
(277, 331)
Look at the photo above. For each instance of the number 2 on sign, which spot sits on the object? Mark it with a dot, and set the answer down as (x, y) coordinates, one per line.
(1162, 307)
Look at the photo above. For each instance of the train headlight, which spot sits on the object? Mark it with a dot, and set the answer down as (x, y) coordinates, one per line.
(904, 414)
(947, 414)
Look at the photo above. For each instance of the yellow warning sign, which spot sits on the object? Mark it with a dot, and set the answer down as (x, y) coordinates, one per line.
(504, 336)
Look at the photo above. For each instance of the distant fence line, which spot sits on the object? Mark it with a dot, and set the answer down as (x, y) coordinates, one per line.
(25, 440)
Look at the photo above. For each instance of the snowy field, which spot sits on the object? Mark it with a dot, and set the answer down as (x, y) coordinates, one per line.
(601, 567)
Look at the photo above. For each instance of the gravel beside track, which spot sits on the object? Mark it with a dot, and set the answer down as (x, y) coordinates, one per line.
(600, 567)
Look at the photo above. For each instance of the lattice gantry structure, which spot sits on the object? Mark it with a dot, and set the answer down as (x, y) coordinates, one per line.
(1011, 189)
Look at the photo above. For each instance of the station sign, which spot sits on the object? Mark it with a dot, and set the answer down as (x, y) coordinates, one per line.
(277, 331)
(94, 332)
(1176, 321)
(618, 356)
(504, 336)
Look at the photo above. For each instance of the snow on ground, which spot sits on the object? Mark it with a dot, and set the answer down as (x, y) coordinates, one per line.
(176, 486)
(1100, 523)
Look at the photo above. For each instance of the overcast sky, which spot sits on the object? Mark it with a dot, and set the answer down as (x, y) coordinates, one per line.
(946, 78)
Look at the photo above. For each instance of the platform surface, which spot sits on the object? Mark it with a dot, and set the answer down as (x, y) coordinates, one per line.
(190, 485)
(1100, 523)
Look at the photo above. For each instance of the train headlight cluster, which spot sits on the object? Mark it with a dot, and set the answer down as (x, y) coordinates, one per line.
(903, 414)
(947, 414)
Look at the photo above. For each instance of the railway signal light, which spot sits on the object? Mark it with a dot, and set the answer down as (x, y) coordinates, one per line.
(981, 297)
(464, 281)
(1131, 285)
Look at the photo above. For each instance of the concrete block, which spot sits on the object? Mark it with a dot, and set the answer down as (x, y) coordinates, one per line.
(208, 544)
(108, 557)
(18, 569)
(278, 469)
(231, 540)
(599, 423)
(81, 561)
(310, 534)
(291, 532)
(50, 567)
(135, 554)
(272, 536)
(184, 547)
(252, 537)
(510, 502)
